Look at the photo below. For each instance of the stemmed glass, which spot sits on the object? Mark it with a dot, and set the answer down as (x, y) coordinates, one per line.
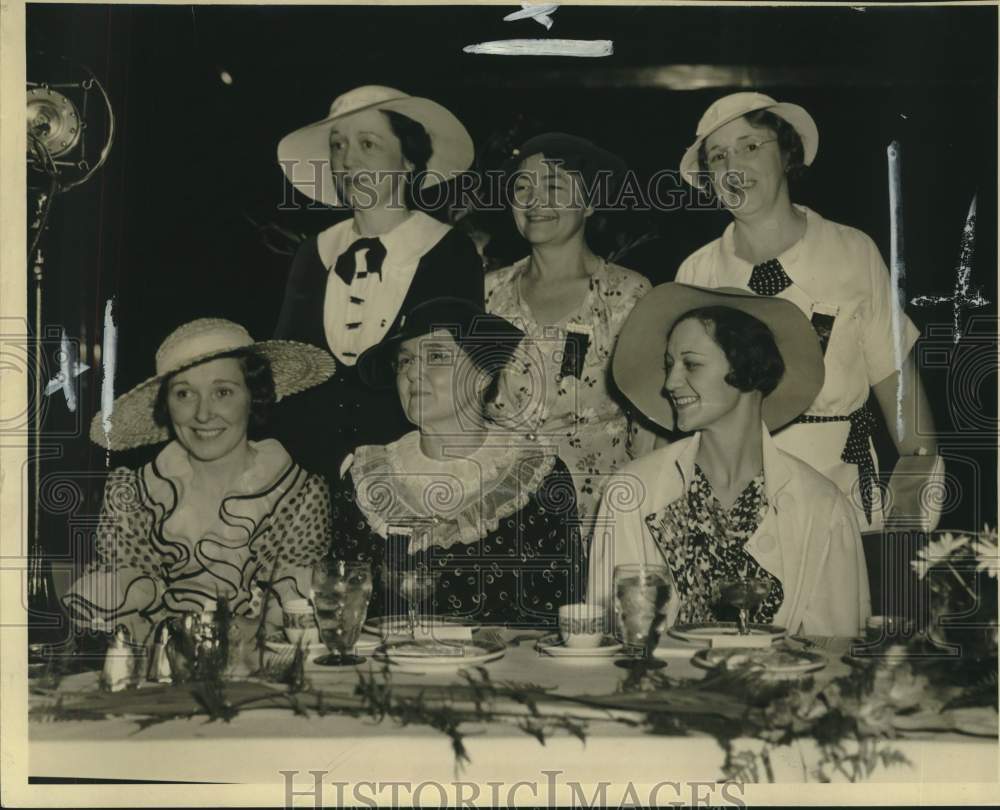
(644, 595)
(745, 594)
(341, 591)
(416, 587)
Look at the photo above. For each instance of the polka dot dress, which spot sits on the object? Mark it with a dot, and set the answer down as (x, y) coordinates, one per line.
(518, 574)
(704, 546)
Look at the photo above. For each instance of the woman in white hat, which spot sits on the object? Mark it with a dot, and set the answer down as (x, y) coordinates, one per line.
(747, 147)
(726, 504)
(376, 151)
(571, 303)
(215, 514)
(490, 513)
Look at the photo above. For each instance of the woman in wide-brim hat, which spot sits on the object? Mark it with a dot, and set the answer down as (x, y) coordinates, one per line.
(377, 154)
(571, 303)
(726, 504)
(746, 149)
(490, 512)
(217, 514)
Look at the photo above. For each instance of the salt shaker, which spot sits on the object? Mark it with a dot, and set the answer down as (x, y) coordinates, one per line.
(118, 661)
(159, 665)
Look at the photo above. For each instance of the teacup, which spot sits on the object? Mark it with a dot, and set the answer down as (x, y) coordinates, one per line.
(300, 622)
(582, 625)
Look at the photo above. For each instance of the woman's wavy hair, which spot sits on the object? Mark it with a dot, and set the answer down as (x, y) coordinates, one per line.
(748, 344)
(416, 146)
(259, 379)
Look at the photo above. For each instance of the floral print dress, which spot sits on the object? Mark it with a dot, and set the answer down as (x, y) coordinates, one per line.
(703, 544)
(558, 384)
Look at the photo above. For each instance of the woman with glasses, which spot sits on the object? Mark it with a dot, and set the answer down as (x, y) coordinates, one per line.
(747, 147)
(490, 513)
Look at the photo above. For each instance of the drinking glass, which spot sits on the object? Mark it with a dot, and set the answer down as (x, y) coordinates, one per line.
(745, 594)
(341, 591)
(643, 594)
(417, 587)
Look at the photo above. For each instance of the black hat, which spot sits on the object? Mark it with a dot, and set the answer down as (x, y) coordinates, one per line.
(489, 340)
(575, 154)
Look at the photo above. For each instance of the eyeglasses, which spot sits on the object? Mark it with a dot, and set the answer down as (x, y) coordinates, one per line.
(718, 157)
(431, 356)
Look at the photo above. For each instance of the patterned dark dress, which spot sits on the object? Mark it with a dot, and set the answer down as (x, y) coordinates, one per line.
(704, 546)
(505, 538)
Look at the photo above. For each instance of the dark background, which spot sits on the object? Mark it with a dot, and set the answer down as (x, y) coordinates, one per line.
(164, 228)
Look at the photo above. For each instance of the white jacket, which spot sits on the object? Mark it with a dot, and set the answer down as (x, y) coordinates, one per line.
(809, 538)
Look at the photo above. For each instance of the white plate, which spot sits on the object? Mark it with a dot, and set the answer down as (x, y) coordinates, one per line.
(553, 645)
(440, 628)
(365, 646)
(724, 634)
(434, 657)
(778, 662)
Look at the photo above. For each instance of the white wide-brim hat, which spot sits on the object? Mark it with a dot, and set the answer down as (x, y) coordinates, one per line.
(294, 367)
(305, 153)
(637, 366)
(729, 108)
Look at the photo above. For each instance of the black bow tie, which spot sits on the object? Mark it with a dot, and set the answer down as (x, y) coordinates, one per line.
(769, 278)
(346, 265)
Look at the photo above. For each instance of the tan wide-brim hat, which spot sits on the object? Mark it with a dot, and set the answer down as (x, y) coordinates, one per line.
(304, 154)
(729, 108)
(294, 367)
(637, 366)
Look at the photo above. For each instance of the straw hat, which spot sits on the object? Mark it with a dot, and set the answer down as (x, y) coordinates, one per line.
(729, 108)
(637, 366)
(294, 367)
(301, 151)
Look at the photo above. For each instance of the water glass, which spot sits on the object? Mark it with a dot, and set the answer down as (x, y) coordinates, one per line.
(341, 591)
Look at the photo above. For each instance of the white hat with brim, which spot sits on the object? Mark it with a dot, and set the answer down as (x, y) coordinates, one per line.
(729, 108)
(304, 154)
(637, 366)
(294, 368)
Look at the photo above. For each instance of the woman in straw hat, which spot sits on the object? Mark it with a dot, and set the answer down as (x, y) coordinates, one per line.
(726, 503)
(747, 147)
(490, 513)
(215, 514)
(571, 304)
(376, 151)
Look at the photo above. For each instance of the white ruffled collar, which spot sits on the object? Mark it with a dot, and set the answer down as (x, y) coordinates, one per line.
(444, 502)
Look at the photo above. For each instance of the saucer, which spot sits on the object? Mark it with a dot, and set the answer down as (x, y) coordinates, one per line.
(554, 646)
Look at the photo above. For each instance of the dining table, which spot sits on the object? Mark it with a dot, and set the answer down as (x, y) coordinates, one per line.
(280, 747)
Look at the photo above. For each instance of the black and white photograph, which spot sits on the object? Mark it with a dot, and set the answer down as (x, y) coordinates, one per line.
(499, 405)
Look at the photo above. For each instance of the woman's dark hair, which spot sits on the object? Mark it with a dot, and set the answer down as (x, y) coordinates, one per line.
(748, 345)
(257, 374)
(416, 147)
(789, 142)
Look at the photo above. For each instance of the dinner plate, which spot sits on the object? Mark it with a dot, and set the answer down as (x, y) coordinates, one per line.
(554, 646)
(365, 646)
(726, 634)
(441, 628)
(776, 662)
(440, 656)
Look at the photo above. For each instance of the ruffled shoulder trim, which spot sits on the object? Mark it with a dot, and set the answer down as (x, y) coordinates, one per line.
(438, 509)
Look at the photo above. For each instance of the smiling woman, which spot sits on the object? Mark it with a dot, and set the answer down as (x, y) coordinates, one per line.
(214, 515)
(725, 506)
(571, 304)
